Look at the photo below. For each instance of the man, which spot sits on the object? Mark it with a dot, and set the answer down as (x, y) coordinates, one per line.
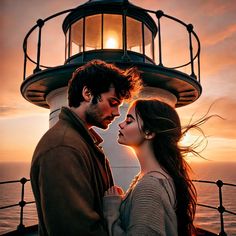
(69, 172)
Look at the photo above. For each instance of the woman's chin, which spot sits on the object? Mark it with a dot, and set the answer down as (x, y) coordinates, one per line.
(120, 141)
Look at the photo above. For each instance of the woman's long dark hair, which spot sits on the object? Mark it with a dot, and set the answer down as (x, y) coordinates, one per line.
(162, 120)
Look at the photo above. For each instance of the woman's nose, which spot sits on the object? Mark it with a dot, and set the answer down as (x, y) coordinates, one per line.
(121, 125)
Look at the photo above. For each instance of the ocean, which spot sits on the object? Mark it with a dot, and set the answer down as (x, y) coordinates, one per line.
(207, 194)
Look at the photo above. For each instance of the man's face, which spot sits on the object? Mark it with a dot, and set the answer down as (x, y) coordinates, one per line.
(104, 111)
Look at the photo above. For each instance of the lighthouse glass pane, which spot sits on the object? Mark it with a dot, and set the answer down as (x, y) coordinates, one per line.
(93, 32)
(134, 35)
(148, 42)
(112, 28)
(76, 38)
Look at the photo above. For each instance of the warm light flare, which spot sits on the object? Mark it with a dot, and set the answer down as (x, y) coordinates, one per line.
(186, 139)
(132, 151)
(111, 40)
(111, 43)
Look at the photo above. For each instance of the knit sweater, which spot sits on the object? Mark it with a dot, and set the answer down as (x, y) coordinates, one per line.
(147, 209)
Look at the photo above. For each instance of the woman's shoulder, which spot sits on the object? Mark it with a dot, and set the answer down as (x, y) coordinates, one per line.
(148, 183)
(155, 178)
(159, 188)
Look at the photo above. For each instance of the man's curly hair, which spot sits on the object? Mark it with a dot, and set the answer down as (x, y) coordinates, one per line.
(99, 76)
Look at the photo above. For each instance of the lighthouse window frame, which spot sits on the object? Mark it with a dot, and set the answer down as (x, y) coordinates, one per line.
(134, 35)
(89, 33)
(93, 32)
(76, 38)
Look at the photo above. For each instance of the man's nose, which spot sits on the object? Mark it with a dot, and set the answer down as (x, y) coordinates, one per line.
(116, 111)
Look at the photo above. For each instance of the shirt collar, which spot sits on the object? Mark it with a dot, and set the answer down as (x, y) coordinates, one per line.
(97, 139)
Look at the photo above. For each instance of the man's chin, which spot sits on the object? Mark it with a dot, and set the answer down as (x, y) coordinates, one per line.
(103, 126)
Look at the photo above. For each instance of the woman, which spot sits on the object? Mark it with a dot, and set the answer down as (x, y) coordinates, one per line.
(161, 199)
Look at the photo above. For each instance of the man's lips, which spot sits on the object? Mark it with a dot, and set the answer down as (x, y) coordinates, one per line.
(107, 120)
(120, 134)
(110, 119)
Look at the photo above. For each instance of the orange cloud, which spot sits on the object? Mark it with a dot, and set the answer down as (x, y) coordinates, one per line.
(215, 127)
(214, 7)
(21, 110)
(220, 35)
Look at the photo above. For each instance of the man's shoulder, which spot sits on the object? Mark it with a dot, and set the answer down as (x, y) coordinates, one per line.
(62, 134)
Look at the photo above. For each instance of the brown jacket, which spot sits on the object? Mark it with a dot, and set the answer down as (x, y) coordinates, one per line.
(69, 175)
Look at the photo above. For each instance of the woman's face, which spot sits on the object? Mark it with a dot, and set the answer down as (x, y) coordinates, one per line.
(130, 133)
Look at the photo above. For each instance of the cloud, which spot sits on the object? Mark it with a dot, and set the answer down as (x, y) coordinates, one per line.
(218, 7)
(220, 35)
(219, 56)
(6, 111)
(215, 127)
(26, 110)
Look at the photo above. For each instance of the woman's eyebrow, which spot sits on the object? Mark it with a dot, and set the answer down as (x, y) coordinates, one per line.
(130, 116)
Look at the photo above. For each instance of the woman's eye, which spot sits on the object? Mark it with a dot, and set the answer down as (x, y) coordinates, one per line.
(128, 122)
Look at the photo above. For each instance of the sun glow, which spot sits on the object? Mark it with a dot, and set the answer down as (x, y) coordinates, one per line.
(186, 140)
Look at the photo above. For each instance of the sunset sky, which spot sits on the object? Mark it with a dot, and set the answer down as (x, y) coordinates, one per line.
(22, 123)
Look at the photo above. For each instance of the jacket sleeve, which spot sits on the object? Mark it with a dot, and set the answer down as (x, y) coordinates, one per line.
(146, 212)
(67, 197)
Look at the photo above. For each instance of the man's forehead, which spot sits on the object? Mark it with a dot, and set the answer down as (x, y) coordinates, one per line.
(111, 94)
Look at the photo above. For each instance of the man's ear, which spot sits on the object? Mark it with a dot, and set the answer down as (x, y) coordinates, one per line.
(86, 94)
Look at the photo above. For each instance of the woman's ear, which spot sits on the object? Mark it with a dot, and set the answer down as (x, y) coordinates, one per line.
(86, 94)
(149, 135)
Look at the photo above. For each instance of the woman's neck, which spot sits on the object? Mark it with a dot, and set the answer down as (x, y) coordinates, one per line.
(147, 159)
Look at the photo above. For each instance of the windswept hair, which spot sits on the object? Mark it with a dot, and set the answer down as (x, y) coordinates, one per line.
(162, 120)
(99, 76)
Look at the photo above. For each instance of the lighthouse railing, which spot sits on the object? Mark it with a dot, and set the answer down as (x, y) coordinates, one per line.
(219, 183)
(159, 14)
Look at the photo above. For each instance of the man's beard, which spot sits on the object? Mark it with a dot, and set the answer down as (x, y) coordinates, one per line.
(93, 117)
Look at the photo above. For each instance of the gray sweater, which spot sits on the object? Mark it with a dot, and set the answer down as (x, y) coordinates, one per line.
(147, 209)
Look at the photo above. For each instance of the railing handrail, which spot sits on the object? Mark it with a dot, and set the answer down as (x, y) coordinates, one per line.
(213, 182)
(221, 209)
(14, 181)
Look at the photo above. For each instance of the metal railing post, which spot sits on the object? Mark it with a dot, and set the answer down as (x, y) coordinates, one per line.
(40, 24)
(21, 226)
(25, 61)
(190, 30)
(221, 208)
(159, 14)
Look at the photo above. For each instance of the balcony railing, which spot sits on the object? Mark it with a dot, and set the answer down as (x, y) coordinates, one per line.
(193, 63)
(221, 209)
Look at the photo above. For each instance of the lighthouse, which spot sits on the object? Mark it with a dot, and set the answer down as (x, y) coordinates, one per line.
(121, 33)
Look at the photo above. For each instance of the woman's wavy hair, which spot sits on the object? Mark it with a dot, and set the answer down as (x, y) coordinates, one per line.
(162, 120)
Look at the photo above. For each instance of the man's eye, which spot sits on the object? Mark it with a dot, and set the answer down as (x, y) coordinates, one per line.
(113, 104)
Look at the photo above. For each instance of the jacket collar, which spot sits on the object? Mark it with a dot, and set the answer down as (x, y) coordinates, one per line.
(89, 134)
